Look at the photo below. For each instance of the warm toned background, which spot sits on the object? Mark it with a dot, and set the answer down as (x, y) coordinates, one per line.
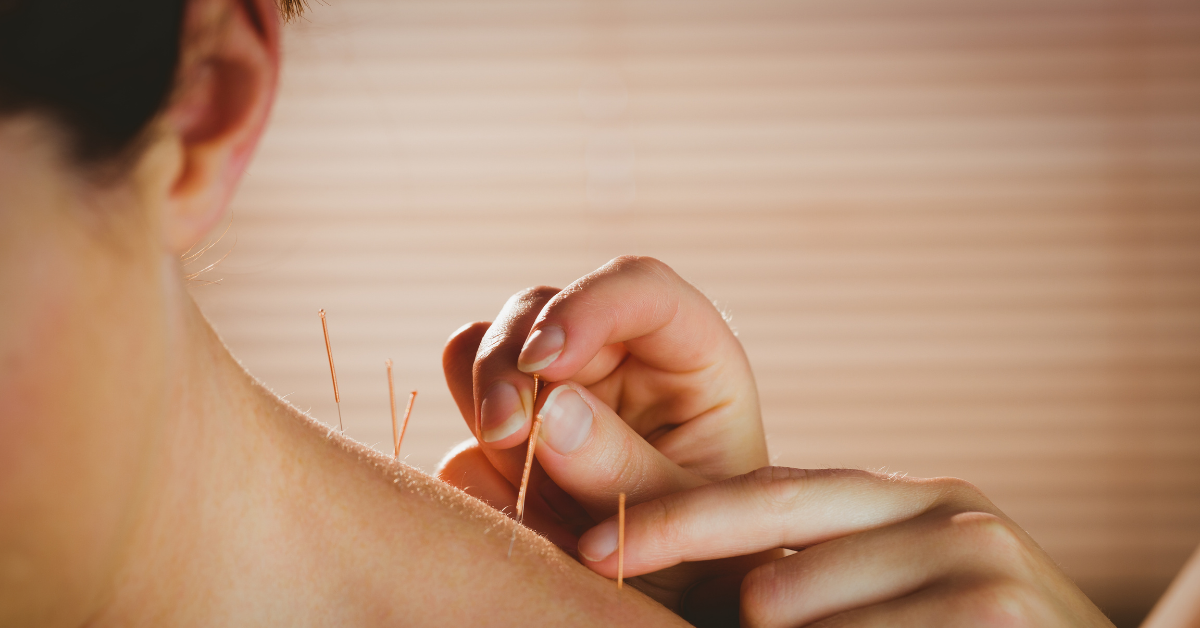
(957, 238)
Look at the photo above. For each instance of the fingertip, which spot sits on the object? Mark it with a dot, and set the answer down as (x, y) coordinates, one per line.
(541, 349)
(458, 358)
(593, 454)
(599, 543)
(507, 436)
(457, 461)
(467, 468)
(567, 420)
(501, 413)
(463, 343)
(476, 329)
(509, 427)
(505, 414)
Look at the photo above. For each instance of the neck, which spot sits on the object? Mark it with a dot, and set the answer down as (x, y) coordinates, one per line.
(237, 474)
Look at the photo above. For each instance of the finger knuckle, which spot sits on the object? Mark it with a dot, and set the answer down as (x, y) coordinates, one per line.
(641, 264)
(999, 604)
(861, 475)
(536, 293)
(464, 458)
(463, 343)
(634, 262)
(782, 489)
(779, 488)
(959, 491)
(991, 535)
(470, 330)
(616, 464)
(666, 522)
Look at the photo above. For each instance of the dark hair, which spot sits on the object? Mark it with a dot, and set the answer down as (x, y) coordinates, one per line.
(101, 68)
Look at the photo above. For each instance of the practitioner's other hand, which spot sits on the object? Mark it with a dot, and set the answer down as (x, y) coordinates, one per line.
(654, 395)
(872, 550)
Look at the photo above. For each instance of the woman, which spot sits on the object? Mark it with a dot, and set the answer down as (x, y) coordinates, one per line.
(146, 478)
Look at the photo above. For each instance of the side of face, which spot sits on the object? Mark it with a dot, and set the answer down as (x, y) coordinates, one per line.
(92, 304)
(83, 338)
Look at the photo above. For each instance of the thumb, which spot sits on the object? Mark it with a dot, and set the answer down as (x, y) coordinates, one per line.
(592, 454)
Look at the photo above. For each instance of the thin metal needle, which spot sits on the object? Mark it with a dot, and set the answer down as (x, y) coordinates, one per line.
(620, 541)
(404, 426)
(392, 398)
(337, 398)
(533, 432)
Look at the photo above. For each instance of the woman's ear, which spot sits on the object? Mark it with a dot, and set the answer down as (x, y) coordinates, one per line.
(229, 64)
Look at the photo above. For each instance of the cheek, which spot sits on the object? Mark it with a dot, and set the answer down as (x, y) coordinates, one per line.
(79, 391)
(38, 390)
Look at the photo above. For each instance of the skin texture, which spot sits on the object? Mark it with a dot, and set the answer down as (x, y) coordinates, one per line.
(665, 379)
(670, 393)
(145, 477)
(873, 550)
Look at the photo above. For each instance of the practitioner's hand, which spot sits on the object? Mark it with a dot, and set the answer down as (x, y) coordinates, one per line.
(873, 550)
(660, 398)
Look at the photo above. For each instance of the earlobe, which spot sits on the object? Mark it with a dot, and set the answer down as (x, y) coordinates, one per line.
(225, 89)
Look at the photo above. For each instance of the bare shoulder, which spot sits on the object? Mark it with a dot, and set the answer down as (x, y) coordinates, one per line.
(420, 551)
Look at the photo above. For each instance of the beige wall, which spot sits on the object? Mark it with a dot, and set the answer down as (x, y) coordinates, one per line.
(957, 238)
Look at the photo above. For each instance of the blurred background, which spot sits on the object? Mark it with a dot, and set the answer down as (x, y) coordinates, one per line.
(956, 238)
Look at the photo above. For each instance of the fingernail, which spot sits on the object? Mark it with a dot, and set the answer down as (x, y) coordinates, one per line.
(501, 413)
(599, 543)
(566, 420)
(542, 348)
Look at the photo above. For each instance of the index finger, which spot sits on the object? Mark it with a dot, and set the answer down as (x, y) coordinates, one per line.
(663, 320)
(769, 508)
